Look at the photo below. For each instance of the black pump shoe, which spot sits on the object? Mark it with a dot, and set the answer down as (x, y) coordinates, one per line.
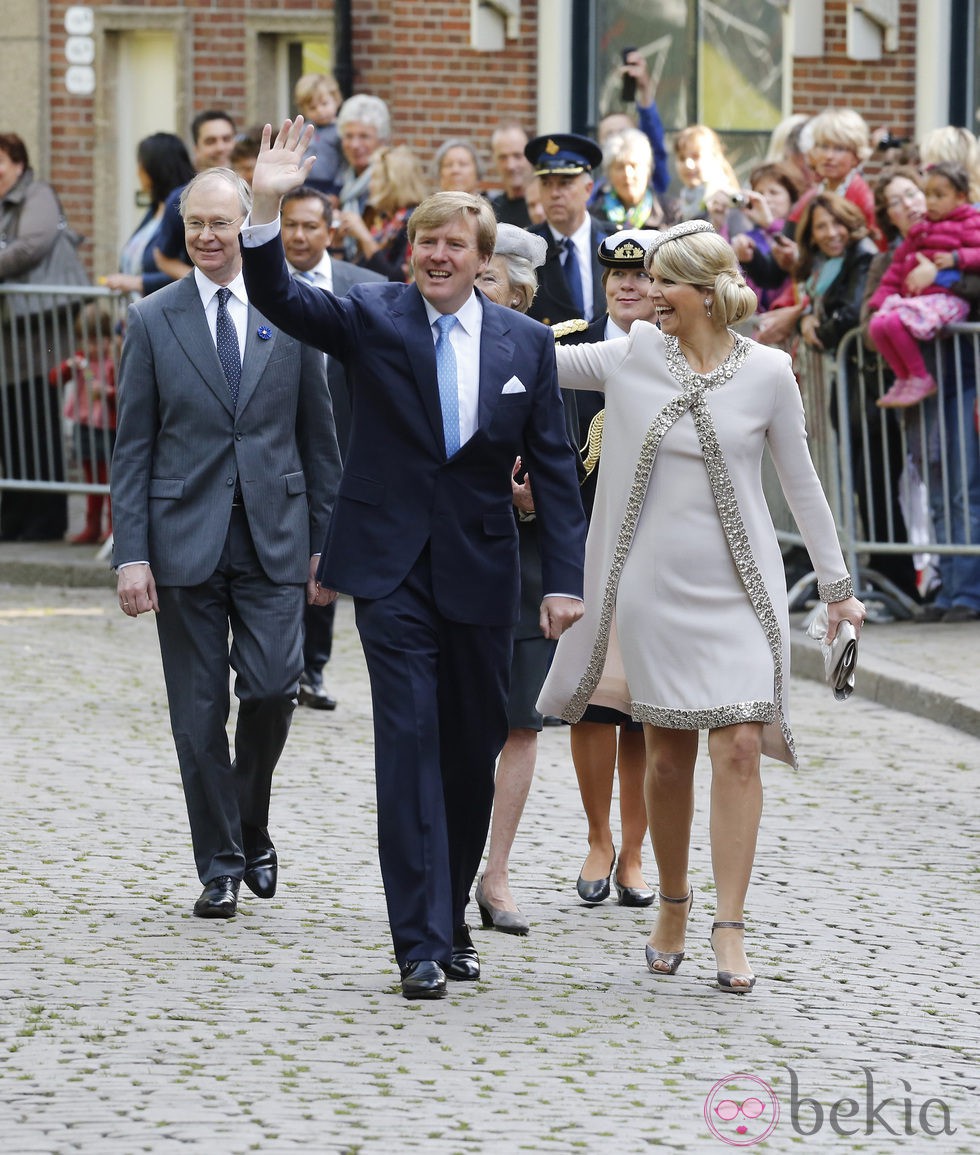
(595, 890)
(633, 895)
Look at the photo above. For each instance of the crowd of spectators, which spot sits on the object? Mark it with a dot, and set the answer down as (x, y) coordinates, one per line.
(821, 243)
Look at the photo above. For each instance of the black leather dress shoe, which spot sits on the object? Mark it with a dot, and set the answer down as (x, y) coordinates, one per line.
(465, 962)
(219, 898)
(423, 979)
(316, 697)
(261, 861)
(262, 873)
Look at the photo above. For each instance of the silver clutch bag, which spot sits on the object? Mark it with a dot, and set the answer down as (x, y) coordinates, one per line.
(840, 655)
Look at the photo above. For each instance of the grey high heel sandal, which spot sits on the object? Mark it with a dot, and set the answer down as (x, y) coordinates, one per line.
(727, 979)
(673, 958)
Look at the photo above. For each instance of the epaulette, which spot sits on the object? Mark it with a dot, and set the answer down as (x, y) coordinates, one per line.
(593, 443)
(563, 328)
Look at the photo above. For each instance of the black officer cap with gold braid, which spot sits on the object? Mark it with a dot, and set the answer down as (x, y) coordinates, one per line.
(626, 249)
(563, 154)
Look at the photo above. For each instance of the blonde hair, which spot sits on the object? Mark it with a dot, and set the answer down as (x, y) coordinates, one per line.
(398, 177)
(841, 126)
(784, 143)
(707, 261)
(956, 145)
(310, 84)
(440, 208)
(716, 171)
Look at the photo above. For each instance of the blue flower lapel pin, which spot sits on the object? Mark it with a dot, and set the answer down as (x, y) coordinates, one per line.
(264, 332)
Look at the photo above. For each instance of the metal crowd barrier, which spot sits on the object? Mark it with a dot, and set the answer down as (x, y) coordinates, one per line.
(42, 331)
(898, 480)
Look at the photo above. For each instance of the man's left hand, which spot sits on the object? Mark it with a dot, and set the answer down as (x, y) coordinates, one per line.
(558, 614)
(316, 594)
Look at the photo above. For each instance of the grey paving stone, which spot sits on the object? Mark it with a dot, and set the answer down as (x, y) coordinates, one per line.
(126, 1025)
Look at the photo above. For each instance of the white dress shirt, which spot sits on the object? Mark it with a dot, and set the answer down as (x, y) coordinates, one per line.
(321, 275)
(464, 337)
(237, 306)
(613, 330)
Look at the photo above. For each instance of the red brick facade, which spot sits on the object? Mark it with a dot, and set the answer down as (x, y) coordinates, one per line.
(417, 56)
(883, 91)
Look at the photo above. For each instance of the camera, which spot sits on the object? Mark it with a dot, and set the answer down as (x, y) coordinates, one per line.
(628, 93)
(739, 200)
(888, 142)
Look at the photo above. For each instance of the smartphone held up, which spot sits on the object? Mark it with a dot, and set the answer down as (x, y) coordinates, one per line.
(628, 92)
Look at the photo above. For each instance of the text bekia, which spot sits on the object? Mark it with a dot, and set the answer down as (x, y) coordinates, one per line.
(895, 1115)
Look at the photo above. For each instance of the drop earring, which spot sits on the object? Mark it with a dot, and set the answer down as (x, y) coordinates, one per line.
(707, 306)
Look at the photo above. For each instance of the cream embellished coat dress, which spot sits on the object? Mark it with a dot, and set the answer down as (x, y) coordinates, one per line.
(686, 619)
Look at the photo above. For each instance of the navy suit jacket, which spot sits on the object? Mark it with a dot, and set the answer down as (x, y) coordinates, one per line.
(399, 493)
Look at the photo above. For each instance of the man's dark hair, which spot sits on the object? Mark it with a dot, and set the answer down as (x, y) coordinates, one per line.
(204, 117)
(307, 192)
(14, 147)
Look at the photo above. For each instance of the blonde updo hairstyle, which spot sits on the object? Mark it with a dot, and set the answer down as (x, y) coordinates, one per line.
(707, 261)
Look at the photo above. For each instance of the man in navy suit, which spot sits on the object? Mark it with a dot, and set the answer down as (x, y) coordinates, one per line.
(570, 280)
(447, 389)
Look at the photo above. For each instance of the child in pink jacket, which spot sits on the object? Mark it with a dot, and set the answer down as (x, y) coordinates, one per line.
(909, 310)
(91, 405)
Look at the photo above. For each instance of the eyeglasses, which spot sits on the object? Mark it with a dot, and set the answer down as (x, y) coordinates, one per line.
(728, 1109)
(906, 198)
(219, 227)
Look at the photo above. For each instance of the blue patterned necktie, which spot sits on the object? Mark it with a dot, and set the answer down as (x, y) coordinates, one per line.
(573, 278)
(448, 384)
(227, 342)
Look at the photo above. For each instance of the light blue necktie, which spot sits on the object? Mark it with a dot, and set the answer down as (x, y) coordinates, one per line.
(448, 384)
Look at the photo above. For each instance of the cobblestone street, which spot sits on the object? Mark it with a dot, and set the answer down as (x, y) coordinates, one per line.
(127, 1025)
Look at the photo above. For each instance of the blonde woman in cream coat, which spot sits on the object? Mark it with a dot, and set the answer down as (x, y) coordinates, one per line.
(686, 623)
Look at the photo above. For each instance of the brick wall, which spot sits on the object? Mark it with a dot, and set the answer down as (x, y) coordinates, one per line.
(883, 91)
(416, 56)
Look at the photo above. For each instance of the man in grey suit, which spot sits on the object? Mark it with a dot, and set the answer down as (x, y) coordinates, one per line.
(307, 233)
(223, 480)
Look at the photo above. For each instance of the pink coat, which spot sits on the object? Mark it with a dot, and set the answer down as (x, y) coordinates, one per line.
(959, 233)
(94, 399)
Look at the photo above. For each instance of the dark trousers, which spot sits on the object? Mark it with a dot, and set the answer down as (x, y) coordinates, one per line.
(266, 620)
(317, 641)
(31, 449)
(439, 694)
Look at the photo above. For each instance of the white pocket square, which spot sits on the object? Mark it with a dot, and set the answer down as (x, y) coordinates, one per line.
(514, 385)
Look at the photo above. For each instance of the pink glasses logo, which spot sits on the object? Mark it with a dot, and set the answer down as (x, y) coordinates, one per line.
(741, 1110)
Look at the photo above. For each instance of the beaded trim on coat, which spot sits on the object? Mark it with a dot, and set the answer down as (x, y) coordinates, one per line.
(835, 591)
(694, 386)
